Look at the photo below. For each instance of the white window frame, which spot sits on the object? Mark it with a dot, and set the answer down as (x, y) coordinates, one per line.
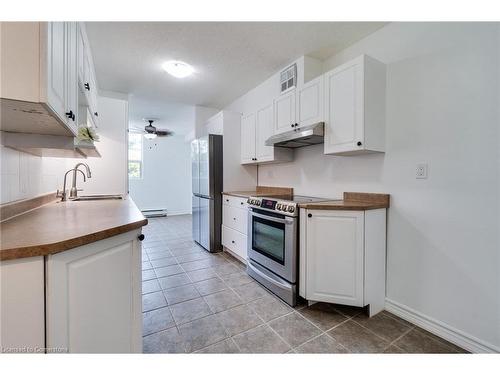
(141, 162)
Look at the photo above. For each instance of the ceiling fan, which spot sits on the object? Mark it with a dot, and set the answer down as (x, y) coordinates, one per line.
(151, 132)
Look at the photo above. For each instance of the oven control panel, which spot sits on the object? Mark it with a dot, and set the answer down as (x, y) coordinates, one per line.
(282, 207)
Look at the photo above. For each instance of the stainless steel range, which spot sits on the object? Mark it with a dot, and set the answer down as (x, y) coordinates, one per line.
(273, 243)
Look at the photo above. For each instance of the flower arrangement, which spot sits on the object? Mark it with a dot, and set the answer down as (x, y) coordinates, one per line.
(86, 133)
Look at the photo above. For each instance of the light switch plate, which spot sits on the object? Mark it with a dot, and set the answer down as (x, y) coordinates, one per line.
(421, 171)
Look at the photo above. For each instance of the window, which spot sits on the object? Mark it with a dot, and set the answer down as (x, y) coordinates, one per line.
(135, 155)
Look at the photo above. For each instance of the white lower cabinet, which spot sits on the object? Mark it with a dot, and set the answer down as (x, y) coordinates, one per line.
(22, 304)
(94, 297)
(235, 241)
(342, 257)
(234, 225)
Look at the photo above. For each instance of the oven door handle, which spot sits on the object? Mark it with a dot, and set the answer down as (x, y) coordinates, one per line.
(286, 220)
(256, 269)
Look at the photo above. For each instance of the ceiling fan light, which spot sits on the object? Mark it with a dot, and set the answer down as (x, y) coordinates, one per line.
(178, 69)
(150, 135)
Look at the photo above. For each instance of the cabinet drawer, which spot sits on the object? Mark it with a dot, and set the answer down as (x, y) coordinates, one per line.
(235, 201)
(234, 241)
(235, 218)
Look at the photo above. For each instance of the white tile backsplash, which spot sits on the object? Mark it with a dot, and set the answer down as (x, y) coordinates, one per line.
(25, 176)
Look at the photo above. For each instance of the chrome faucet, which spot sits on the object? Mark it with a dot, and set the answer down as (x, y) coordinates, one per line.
(73, 193)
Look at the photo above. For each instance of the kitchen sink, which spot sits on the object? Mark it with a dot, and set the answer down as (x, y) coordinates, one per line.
(98, 197)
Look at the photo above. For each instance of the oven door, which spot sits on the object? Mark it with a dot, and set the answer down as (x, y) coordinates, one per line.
(272, 242)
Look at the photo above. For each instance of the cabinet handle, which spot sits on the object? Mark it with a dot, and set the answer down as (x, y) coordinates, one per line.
(69, 114)
(87, 86)
(232, 242)
(96, 114)
(73, 117)
(296, 124)
(359, 143)
(141, 237)
(241, 203)
(227, 200)
(234, 218)
(309, 215)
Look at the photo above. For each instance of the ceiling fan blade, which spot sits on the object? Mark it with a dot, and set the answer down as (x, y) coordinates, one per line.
(164, 133)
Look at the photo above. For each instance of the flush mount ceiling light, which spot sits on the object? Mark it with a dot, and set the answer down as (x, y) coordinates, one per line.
(178, 69)
(150, 135)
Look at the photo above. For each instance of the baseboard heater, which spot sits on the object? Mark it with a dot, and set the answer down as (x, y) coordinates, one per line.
(162, 212)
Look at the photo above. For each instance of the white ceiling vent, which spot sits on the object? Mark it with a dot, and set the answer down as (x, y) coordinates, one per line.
(288, 78)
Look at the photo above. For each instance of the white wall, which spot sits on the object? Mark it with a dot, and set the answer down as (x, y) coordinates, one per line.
(443, 232)
(109, 172)
(202, 114)
(166, 181)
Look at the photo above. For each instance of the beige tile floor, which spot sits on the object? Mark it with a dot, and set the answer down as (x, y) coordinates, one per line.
(194, 301)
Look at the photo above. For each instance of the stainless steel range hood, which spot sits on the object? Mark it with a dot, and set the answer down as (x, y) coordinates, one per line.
(300, 137)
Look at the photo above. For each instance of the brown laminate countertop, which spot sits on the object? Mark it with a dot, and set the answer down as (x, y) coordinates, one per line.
(342, 205)
(60, 226)
(262, 191)
(352, 202)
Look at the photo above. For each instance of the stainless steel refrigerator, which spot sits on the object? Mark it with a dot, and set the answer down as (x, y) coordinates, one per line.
(206, 162)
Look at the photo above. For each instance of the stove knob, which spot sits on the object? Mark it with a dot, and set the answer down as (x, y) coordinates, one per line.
(283, 207)
(291, 209)
(257, 202)
(278, 206)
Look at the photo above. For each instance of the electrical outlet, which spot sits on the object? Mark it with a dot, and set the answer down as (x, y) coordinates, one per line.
(421, 171)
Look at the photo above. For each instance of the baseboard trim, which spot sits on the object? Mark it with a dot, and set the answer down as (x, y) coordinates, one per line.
(176, 213)
(441, 329)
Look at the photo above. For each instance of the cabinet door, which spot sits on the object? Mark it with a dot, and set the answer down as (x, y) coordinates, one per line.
(81, 57)
(264, 130)
(344, 109)
(310, 102)
(94, 297)
(235, 241)
(235, 218)
(334, 256)
(93, 107)
(22, 315)
(86, 75)
(284, 112)
(56, 73)
(248, 139)
(72, 75)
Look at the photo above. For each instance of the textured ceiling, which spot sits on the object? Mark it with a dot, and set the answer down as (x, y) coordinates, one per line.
(230, 58)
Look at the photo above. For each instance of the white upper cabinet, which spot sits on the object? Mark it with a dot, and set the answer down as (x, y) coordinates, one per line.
(215, 124)
(39, 93)
(284, 112)
(310, 102)
(256, 128)
(87, 81)
(355, 107)
(72, 75)
(56, 73)
(263, 130)
(248, 139)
